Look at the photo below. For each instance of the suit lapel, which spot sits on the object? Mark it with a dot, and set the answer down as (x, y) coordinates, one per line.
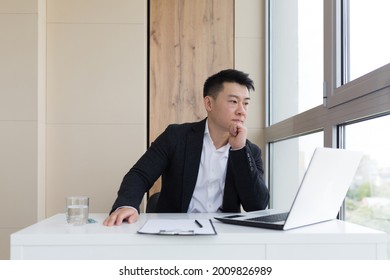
(193, 152)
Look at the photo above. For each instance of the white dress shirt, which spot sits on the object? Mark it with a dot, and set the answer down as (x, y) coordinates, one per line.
(210, 184)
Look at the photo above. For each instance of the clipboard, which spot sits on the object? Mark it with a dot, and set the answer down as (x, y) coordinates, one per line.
(178, 227)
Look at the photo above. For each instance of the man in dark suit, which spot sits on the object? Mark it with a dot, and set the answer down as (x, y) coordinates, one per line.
(206, 166)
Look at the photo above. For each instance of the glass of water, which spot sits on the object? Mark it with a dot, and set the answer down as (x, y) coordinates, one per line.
(77, 208)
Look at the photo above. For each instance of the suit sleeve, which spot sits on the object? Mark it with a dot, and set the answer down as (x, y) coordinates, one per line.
(244, 182)
(145, 172)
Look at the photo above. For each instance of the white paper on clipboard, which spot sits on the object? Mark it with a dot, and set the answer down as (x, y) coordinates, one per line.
(178, 227)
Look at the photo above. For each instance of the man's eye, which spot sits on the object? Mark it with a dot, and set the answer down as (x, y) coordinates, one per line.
(233, 101)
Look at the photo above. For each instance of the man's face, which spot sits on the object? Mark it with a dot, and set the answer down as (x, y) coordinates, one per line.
(229, 107)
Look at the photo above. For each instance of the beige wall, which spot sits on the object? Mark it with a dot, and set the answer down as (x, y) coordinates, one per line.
(249, 57)
(21, 95)
(73, 100)
(96, 98)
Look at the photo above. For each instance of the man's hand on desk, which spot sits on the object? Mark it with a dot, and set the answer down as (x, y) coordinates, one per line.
(129, 215)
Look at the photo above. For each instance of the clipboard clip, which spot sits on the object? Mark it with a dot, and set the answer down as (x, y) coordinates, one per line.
(177, 232)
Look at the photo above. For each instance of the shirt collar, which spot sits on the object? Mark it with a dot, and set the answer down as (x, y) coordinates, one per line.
(208, 137)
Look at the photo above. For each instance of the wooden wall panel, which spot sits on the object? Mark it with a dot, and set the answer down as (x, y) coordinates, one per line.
(189, 41)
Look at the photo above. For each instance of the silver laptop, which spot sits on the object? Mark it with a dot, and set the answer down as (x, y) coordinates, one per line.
(320, 195)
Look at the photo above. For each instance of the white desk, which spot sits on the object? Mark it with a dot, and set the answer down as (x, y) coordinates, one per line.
(54, 239)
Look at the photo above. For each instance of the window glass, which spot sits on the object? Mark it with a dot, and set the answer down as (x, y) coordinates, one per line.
(296, 57)
(368, 199)
(289, 161)
(369, 42)
(295, 85)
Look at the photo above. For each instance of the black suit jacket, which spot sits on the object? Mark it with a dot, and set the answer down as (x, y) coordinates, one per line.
(175, 155)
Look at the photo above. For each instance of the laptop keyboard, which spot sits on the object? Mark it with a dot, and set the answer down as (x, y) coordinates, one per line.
(271, 218)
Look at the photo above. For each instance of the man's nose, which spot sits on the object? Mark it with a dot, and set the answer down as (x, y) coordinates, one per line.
(241, 109)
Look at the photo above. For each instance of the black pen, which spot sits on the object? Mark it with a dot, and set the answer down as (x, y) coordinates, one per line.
(199, 224)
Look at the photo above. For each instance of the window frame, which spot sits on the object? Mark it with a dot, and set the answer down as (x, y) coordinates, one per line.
(344, 102)
(337, 89)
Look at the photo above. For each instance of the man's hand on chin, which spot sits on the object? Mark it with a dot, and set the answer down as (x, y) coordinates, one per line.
(237, 135)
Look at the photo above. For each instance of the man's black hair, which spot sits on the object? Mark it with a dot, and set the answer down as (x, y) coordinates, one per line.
(214, 84)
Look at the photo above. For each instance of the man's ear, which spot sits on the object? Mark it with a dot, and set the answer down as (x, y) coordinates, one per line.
(208, 103)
